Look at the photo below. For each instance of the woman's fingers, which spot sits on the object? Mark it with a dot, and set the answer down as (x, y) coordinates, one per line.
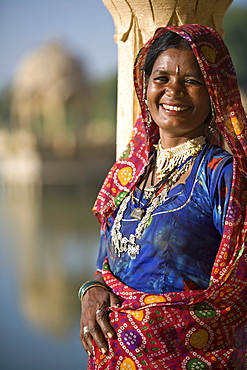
(98, 336)
(102, 316)
(103, 321)
(86, 339)
(90, 332)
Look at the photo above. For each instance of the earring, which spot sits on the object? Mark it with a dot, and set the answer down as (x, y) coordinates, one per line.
(148, 118)
(212, 126)
(144, 86)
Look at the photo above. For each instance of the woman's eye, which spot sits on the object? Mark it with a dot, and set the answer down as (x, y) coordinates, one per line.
(191, 81)
(162, 79)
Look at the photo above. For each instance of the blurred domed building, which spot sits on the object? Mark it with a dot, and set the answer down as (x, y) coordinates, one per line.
(49, 97)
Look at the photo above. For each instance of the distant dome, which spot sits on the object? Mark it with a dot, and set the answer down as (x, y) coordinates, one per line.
(50, 63)
(50, 95)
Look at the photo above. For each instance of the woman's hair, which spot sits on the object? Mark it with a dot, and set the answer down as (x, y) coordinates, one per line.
(168, 40)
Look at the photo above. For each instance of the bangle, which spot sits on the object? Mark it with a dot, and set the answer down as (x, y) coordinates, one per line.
(88, 285)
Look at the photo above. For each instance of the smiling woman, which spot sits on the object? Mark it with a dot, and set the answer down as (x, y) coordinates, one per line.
(170, 286)
(178, 100)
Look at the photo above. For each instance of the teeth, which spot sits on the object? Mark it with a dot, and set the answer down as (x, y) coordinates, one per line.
(173, 107)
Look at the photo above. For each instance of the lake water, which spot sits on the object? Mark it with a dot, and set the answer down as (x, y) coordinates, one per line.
(48, 247)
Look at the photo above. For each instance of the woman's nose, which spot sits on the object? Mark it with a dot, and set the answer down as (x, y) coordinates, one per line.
(174, 89)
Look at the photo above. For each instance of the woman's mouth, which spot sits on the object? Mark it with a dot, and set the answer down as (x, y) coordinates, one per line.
(174, 108)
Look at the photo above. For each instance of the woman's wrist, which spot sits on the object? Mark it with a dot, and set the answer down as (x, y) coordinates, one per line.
(88, 285)
(98, 277)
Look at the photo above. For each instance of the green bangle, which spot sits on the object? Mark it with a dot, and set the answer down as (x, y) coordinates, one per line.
(88, 285)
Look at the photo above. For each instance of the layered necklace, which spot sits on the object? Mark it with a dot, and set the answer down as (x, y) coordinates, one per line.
(170, 165)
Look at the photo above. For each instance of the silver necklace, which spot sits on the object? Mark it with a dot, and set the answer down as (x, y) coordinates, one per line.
(123, 244)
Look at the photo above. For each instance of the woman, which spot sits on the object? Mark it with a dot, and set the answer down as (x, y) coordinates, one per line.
(170, 290)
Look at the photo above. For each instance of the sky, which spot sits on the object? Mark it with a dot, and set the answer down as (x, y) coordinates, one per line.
(84, 26)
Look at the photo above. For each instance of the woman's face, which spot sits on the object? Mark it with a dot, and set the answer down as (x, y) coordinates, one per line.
(177, 96)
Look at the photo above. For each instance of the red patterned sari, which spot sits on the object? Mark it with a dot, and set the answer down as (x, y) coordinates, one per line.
(195, 329)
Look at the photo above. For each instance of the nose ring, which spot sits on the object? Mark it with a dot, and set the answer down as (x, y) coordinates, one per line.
(181, 94)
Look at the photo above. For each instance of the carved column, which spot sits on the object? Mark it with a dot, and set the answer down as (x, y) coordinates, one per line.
(135, 22)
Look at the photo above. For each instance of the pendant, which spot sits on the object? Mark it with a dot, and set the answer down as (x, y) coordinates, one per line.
(138, 213)
(133, 250)
(149, 191)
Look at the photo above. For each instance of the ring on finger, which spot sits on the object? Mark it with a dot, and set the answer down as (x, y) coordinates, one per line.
(85, 330)
(99, 310)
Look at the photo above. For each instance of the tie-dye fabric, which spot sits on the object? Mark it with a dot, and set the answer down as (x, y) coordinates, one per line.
(195, 329)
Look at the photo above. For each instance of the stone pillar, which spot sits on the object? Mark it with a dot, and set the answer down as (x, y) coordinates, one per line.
(135, 22)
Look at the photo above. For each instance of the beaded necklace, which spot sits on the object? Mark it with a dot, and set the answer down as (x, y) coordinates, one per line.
(169, 158)
(155, 198)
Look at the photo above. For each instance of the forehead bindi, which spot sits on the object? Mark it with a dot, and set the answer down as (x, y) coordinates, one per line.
(175, 61)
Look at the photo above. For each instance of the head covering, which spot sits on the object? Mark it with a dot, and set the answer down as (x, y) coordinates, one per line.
(219, 74)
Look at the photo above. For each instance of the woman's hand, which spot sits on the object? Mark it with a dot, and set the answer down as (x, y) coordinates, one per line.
(94, 323)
